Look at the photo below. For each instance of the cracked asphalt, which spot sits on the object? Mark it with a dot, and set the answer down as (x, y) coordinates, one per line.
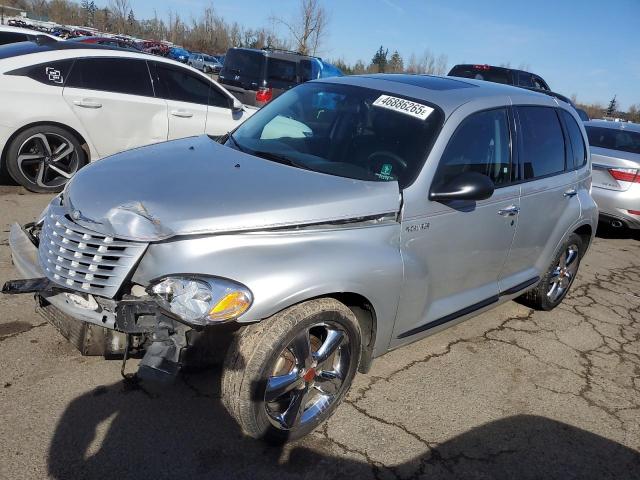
(512, 393)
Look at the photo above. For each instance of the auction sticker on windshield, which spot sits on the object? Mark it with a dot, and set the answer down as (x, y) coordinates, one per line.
(403, 106)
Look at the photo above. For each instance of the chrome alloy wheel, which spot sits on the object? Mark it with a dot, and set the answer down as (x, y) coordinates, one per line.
(563, 273)
(308, 375)
(47, 159)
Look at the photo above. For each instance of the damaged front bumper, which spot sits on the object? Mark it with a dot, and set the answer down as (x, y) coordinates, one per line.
(132, 322)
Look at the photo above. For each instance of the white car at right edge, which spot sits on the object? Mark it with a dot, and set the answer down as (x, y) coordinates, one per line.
(63, 105)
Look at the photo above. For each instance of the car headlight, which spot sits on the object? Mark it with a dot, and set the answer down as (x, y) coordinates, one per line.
(203, 300)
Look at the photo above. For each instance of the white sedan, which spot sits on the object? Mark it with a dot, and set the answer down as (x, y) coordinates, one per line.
(64, 104)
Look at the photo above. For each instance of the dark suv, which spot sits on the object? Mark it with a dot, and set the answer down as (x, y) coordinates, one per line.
(508, 76)
(255, 76)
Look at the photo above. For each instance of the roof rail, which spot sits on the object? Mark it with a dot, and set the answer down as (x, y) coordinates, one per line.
(551, 94)
(284, 50)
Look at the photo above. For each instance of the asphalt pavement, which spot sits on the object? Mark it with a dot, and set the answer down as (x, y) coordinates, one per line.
(512, 393)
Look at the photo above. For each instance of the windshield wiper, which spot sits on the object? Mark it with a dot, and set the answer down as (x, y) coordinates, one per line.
(279, 158)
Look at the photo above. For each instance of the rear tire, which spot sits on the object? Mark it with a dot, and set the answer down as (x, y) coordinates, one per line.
(558, 278)
(277, 388)
(43, 158)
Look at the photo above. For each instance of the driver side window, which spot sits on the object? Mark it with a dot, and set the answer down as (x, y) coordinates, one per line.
(480, 144)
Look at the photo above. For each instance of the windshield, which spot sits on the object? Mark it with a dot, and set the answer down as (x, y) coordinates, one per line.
(343, 130)
(614, 139)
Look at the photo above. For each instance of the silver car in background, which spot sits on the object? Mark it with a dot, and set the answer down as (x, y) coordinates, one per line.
(205, 63)
(615, 150)
(348, 217)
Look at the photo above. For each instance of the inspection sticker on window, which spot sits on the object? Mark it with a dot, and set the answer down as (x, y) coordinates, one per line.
(403, 106)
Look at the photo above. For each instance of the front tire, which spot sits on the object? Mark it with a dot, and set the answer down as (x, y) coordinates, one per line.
(43, 158)
(285, 375)
(557, 280)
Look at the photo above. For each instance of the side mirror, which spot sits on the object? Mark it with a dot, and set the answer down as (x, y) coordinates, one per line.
(466, 186)
(237, 106)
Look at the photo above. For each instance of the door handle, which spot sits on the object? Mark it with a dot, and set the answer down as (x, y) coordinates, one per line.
(87, 103)
(572, 192)
(509, 211)
(181, 113)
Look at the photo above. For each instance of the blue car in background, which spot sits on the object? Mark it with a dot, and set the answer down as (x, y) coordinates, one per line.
(179, 54)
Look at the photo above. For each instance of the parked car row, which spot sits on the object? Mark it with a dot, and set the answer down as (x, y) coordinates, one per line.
(65, 104)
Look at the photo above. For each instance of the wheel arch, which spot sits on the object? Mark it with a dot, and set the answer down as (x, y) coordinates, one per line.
(364, 312)
(585, 232)
(73, 131)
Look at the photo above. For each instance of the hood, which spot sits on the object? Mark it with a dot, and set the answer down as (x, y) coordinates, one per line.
(197, 186)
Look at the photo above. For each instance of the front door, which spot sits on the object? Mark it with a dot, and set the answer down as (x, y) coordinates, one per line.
(187, 97)
(455, 251)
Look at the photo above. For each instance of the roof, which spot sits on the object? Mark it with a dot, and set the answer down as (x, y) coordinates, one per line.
(632, 127)
(27, 31)
(275, 52)
(447, 92)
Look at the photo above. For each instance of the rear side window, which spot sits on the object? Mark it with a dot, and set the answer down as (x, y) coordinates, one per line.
(181, 85)
(481, 144)
(614, 139)
(579, 150)
(281, 70)
(542, 142)
(12, 37)
(118, 75)
(50, 73)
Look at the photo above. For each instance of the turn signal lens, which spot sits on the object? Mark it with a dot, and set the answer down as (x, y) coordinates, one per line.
(232, 305)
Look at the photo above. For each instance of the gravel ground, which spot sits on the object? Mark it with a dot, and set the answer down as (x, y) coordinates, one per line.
(509, 394)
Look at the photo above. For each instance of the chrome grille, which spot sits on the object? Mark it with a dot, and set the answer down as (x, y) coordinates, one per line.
(83, 260)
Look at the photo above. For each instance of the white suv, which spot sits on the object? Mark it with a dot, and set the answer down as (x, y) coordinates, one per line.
(63, 105)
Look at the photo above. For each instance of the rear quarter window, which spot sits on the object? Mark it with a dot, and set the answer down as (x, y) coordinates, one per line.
(541, 142)
(578, 148)
(49, 73)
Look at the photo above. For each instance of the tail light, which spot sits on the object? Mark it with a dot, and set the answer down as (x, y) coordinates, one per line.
(264, 94)
(634, 212)
(625, 174)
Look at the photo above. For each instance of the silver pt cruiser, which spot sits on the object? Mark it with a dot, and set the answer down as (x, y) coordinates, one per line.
(348, 217)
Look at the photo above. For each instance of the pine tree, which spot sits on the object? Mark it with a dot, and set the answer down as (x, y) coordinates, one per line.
(380, 59)
(613, 107)
(396, 64)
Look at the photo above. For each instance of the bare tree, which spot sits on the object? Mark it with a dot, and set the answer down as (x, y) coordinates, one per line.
(309, 28)
(120, 10)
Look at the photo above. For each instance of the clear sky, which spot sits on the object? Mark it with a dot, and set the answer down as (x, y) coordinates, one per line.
(590, 48)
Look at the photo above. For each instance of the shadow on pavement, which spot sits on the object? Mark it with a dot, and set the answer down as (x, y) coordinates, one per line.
(183, 431)
(608, 232)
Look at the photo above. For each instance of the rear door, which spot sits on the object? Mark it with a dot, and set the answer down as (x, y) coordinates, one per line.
(549, 204)
(187, 97)
(114, 99)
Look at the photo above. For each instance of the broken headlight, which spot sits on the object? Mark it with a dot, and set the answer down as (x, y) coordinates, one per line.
(203, 300)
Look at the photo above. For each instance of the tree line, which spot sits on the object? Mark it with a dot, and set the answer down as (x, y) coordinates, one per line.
(382, 62)
(611, 110)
